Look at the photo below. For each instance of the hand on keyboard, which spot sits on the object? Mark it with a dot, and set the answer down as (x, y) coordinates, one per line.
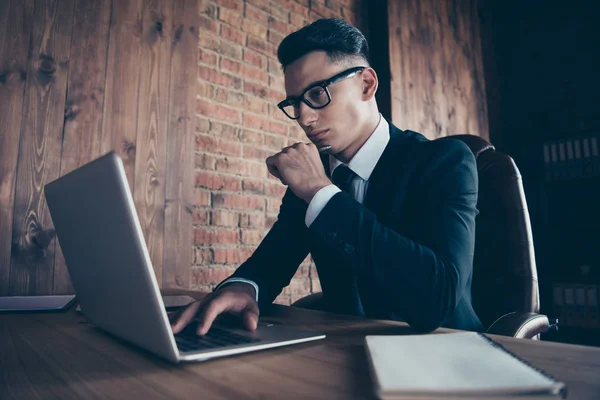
(234, 298)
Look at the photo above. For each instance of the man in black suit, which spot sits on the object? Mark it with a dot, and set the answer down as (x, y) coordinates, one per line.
(387, 215)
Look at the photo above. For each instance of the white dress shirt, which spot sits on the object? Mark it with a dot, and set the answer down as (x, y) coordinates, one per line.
(362, 164)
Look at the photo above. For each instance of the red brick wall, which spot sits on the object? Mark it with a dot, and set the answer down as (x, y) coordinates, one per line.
(238, 126)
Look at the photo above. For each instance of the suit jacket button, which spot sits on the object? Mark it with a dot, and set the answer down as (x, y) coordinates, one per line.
(331, 235)
(348, 248)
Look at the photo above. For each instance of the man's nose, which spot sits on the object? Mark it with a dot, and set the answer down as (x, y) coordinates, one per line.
(308, 116)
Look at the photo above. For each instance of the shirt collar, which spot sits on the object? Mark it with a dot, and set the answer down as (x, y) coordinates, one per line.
(364, 161)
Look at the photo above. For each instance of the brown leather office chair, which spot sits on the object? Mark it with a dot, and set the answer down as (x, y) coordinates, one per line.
(505, 287)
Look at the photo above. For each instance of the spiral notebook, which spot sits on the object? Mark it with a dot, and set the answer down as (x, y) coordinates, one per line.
(465, 365)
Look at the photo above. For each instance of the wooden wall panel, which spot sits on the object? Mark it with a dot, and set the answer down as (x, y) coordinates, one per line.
(80, 78)
(436, 67)
(151, 147)
(82, 133)
(181, 128)
(15, 30)
(119, 126)
(32, 261)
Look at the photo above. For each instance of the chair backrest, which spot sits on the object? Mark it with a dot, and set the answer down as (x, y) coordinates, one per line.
(504, 270)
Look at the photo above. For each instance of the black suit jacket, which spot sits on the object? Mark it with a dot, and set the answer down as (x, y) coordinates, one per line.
(406, 252)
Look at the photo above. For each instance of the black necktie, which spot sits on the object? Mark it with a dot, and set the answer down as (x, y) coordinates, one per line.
(342, 177)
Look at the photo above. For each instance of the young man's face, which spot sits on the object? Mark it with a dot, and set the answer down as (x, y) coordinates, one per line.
(337, 124)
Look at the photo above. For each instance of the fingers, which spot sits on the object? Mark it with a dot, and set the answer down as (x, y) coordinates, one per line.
(186, 317)
(250, 316)
(297, 146)
(211, 311)
(297, 154)
(233, 299)
(272, 167)
(300, 145)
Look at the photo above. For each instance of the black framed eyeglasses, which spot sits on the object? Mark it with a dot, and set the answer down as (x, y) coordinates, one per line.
(315, 96)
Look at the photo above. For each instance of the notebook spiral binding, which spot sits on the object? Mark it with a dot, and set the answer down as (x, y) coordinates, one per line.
(563, 390)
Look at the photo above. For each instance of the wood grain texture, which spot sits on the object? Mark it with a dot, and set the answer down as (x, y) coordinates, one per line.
(82, 131)
(437, 77)
(61, 356)
(119, 124)
(181, 129)
(32, 260)
(15, 30)
(79, 79)
(151, 147)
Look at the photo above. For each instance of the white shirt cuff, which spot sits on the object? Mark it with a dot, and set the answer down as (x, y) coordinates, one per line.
(318, 203)
(242, 280)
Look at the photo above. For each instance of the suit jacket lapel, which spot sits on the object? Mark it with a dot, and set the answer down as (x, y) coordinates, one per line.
(386, 173)
(380, 194)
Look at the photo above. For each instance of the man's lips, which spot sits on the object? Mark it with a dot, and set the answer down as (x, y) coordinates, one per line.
(317, 135)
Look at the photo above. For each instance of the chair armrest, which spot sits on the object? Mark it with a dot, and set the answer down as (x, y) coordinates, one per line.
(311, 302)
(523, 325)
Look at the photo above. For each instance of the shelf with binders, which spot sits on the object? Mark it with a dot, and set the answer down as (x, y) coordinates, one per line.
(572, 158)
(576, 304)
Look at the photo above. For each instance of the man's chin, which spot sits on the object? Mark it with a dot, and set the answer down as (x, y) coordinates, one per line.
(323, 148)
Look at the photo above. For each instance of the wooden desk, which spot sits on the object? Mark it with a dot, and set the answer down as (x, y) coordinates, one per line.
(61, 356)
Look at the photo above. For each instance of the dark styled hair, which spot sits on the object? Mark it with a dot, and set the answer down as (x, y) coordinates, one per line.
(336, 37)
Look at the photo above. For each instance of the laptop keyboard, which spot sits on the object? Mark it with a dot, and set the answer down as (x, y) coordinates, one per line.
(187, 340)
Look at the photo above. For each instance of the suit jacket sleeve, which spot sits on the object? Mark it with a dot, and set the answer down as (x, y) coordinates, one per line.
(275, 261)
(423, 278)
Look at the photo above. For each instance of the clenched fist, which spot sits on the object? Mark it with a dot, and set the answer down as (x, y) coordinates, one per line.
(299, 166)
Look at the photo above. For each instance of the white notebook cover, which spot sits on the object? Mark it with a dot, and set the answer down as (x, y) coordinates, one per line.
(465, 364)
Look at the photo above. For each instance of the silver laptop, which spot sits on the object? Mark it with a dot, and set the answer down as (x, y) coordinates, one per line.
(106, 255)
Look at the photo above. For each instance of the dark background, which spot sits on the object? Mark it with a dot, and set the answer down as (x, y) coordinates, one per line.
(542, 74)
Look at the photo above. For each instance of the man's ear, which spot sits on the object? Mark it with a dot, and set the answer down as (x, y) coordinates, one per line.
(369, 83)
